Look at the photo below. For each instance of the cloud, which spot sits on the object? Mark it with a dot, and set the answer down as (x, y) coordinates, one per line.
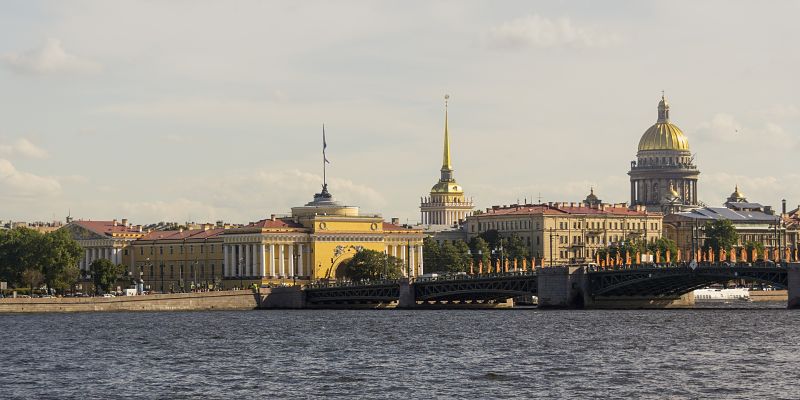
(50, 58)
(23, 147)
(726, 128)
(19, 184)
(538, 31)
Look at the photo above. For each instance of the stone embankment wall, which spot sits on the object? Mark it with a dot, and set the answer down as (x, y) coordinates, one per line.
(769, 295)
(223, 300)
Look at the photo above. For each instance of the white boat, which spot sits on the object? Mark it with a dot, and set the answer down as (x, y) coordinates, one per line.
(714, 295)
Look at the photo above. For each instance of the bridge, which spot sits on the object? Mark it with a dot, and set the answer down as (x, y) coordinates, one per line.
(576, 286)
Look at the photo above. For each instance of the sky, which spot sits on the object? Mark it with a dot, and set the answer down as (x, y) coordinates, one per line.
(210, 110)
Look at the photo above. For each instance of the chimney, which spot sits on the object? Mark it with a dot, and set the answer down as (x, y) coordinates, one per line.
(395, 221)
(114, 221)
(125, 222)
(783, 206)
(272, 217)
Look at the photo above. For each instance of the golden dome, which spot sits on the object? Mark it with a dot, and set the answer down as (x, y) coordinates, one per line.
(663, 135)
(447, 187)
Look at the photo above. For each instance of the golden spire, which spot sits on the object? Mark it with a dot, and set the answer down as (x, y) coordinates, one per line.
(446, 157)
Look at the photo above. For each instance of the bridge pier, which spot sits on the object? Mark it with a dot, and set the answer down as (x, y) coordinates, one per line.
(291, 297)
(407, 298)
(561, 287)
(793, 285)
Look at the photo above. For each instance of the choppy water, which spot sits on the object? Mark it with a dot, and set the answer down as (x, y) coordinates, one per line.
(741, 353)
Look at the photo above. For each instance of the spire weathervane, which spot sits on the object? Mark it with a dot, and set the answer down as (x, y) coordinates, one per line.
(324, 162)
(446, 156)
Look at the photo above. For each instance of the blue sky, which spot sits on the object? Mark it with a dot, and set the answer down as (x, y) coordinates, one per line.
(212, 110)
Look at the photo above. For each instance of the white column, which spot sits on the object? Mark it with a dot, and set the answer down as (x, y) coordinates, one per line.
(394, 250)
(281, 265)
(291, 260)
(225, 262)
(403, 253)
(238, 260)
(271, 260)
(421, 264)
(413, 265)
(300, 260)
(246, 263)
(262, 265)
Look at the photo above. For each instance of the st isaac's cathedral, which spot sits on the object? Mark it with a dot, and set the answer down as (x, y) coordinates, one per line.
(664, 176)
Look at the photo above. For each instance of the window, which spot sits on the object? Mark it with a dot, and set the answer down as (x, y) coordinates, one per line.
(171, 250)
(212, 270)
(125, 252)
(212, 248)
(181, 249)
(151, 271)
(141, 251)
(171, 271)
(161, 250)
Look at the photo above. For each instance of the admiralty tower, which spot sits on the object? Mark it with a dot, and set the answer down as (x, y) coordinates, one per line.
(664, 177)
(446, 204)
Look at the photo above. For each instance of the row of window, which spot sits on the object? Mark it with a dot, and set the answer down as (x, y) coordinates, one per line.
(564, 225)
(201, 271)
(171, 249)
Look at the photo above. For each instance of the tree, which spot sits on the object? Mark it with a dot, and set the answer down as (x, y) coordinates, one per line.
(32, 277)
(480, 250)
(371, 265)
(515, 248)
(59, 258)
(454, 257)
(54, 255)
(492, 237)
(758, 246)
(432, 254)
(105, 274)
(661, 245)
(720, 234)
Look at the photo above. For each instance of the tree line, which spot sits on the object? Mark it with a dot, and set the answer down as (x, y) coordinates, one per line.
(32, 259)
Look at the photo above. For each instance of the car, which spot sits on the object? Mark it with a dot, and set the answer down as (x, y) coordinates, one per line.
(108, 295)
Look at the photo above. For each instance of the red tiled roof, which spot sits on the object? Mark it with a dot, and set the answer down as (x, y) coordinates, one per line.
(392, 227)
(188, 234)
(556, 210)
(277, 223)
(107, 228)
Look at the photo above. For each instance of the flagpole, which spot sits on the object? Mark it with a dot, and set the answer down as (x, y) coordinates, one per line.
(324, 161)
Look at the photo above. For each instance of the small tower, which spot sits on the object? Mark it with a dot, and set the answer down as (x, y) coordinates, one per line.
(446, 204)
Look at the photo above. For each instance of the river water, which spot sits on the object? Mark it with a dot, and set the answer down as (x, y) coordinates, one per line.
(718, 353)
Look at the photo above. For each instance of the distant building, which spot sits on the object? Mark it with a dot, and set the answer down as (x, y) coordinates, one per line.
(568, 232)
(446, 204)
(753, 222)
(664, 177)
(104, 239)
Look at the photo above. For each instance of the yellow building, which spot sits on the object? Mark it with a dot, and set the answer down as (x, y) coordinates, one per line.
(178, 260)
(560, 233)
(311, 244)
(446, 204)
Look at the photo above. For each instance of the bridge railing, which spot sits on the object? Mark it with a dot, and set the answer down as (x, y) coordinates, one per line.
(341, 284)
(459, 277)
(628, 267)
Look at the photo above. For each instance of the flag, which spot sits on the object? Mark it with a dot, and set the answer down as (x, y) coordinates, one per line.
(324, 145)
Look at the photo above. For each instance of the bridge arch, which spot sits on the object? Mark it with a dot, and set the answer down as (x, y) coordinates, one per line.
(678, 281)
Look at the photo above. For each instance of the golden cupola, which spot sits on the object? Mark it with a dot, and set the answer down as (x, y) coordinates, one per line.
(663, 135)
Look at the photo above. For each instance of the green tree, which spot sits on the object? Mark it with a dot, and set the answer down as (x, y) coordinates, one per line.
(492, 238)
(59, 260)
(758, 246)
(432, 254)
(105, 274)
(32, 277)
(720, 234)
(480, 250)
(454, 257)
(661, 245)
(371, 265)
(514, 248)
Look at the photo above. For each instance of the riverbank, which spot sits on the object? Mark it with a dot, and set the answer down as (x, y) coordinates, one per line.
(220, 300)
(769, 295)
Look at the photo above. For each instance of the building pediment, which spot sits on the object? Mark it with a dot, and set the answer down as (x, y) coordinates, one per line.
(78, 232)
